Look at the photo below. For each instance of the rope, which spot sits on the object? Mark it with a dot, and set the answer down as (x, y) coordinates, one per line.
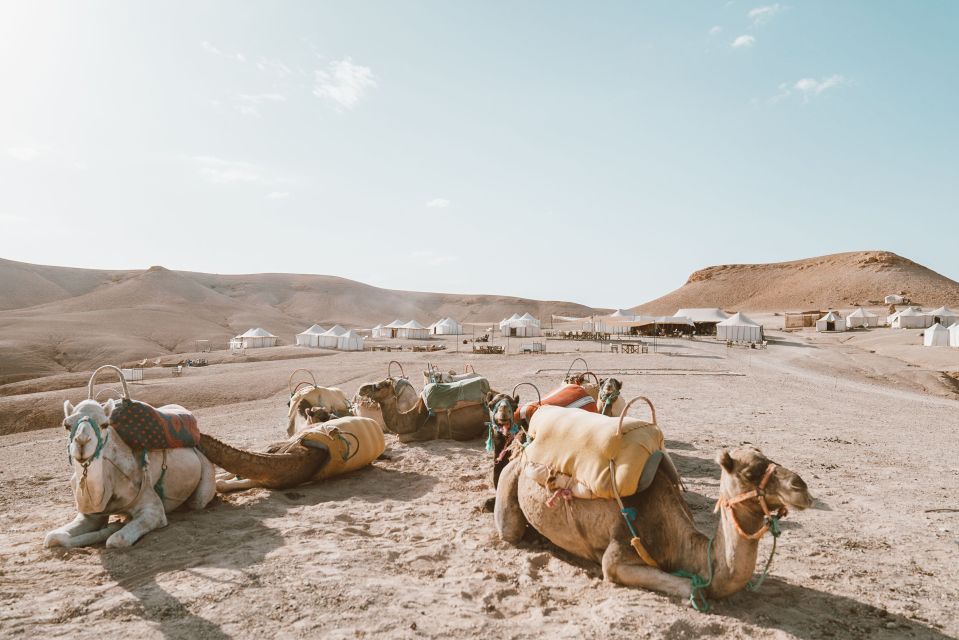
(754, 584)
(697, 584)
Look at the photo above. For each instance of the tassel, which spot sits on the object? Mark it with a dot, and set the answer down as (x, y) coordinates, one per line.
(143, 458)
(489, 438)
(158, 487)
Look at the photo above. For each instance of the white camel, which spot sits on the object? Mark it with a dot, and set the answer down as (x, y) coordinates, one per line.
(108, 480)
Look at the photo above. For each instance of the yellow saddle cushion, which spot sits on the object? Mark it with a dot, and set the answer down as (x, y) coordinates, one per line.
(353, 443)
(580, 445)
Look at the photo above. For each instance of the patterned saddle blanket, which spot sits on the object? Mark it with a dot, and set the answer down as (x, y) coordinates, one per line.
(144, 427)
(572, 396)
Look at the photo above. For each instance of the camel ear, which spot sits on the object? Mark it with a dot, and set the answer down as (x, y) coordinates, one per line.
(109, 406)
(67, 409)
(516, 400)
(726, 461)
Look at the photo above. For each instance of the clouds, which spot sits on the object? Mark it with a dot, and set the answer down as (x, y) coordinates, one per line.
(715, 31)
(809, 88)
(759, 15)
(743, 42)
(343, 83)
(209, 48)
(438, 203)
(278, 195)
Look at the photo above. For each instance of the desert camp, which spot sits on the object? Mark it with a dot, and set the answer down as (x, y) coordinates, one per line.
(458, 320)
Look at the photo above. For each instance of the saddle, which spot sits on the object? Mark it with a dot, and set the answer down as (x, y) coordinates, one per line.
(591, 457)
(450, 396)
(352, 442)
(144, 427)
(572, 396)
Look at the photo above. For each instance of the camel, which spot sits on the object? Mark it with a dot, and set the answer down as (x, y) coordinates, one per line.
(326, 449)
(419, 423)
(609, 402)
(504, 431)
(405, 400)
(307, 396)
(432, 375)
(754, 493)
(109, 479)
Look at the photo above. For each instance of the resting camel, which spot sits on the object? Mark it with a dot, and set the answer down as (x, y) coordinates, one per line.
(418, 424)
(610, 402)
(109, 479)
(504, 431)
(753, 493)
(329, 398)
(405, 400)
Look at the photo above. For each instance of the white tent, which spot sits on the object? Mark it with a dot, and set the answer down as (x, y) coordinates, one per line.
(622, 313)
(254, 339)
(308, 338)
(379, 331)
(832, 321)
(446, 327)
(349, 341)
(944, 316)
(862, 318)
(704, 315)
(911, 318)
(895, 299)
(525, 326)
(739, 328)
(329, 339)
(936, 336)
(954, 335)
(413, 330)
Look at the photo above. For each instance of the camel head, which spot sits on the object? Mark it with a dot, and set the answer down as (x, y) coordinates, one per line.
(743, 470)
(609, 388)
(502, 407)
(317, 415)
(378, 391)
(87, 424)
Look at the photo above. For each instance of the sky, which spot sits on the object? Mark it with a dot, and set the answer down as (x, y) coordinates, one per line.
(593, 152)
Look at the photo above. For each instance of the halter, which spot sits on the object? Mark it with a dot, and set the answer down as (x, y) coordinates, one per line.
(608, 400)
(770, 519)
(101, 441)
(510, 432)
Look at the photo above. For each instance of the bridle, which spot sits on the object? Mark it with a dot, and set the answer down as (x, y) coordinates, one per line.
(608, 400)
(770, 519)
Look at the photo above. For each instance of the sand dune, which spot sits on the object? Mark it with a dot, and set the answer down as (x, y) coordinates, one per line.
(835, 281)
(57, 319)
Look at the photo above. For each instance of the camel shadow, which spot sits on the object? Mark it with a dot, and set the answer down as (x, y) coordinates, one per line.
(693, 467)
(225, 538)
(818, 614)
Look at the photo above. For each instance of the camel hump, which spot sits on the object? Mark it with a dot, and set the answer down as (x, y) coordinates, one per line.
(580, 445)
(447, 396)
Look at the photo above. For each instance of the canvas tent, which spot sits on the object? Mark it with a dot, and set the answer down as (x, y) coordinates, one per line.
(413, 330)
(954, 335)
(254, 339)
(659, 325)
(329, 339)
(379, 331)
(944, 316)
(895, 299)
(739, 328)
(523, 326)
(349, 341)
(911, 318)
(832, 321)
(391, 330)
(704, 319)
(861, 318)
(936, 336)
(308, 338)
(446, 327)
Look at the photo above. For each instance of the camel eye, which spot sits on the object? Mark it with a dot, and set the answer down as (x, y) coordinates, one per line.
(66, 425)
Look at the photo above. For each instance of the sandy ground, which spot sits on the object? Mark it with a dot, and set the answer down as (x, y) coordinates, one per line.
(402, 549)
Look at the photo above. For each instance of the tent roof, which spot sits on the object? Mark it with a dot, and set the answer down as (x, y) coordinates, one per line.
(314, 330)
(526, 316)
(911, 311)
(350, 334)
(943, 311)
(256, 333)
(413, 324)
(396, 324)
(832, 316)
(703, 314)
(336, 330)
(641, 321)
(622, 313)
(739, 319)
(862, 313)
(937, 328)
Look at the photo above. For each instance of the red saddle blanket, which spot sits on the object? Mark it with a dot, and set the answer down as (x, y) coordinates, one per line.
(571, 396)
(144, 427)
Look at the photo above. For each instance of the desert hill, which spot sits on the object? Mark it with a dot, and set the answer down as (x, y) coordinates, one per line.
(840, 280)
(58, 319)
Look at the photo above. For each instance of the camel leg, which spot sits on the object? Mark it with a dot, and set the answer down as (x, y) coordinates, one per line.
(80, 525)
(227, 485)
(206, 487)
(622, 566)
(146, 516)
(510, 521)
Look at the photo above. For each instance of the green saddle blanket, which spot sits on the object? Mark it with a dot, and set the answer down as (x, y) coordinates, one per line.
(447, 396)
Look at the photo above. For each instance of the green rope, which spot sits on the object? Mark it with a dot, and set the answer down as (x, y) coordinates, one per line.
(698, 584)
(158, 487)
(489, 438)
(753, 585)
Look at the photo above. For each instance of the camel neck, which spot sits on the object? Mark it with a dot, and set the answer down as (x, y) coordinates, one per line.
(734, 556)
